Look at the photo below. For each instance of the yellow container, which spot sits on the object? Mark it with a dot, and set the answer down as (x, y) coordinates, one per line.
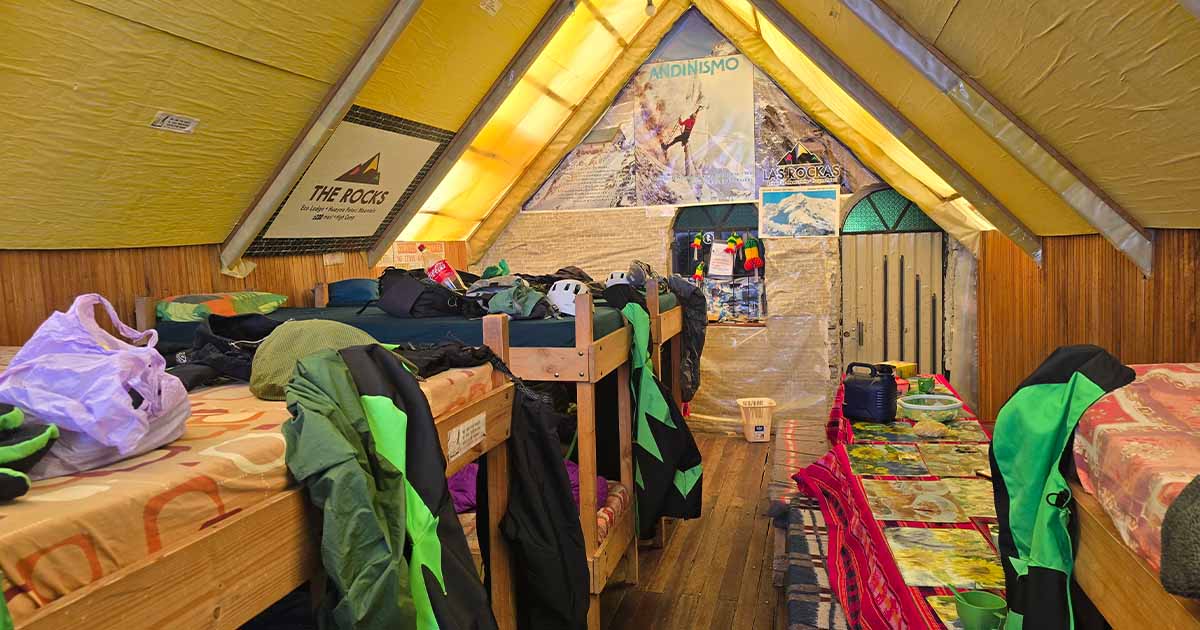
(756, 418)
(903, 369)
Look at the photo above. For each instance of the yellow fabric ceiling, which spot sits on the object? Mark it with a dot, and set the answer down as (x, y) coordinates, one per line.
(882, 67)
(312, 39)
(80, 165)
(551, 109)
(582, 49)
(447, 58)
(1111, 84)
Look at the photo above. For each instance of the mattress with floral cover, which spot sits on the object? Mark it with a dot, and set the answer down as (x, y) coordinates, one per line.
(1138, 446)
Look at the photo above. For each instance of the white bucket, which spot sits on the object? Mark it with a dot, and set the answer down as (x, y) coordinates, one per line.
(756, 418)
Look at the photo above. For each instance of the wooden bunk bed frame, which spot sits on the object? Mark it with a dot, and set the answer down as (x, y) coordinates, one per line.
(1122, 586)
(217, 580)
(584, 364)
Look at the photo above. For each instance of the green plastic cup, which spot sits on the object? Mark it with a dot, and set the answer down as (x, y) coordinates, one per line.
(980, 610)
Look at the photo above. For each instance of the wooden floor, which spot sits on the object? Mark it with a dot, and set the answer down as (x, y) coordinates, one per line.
(715, 571)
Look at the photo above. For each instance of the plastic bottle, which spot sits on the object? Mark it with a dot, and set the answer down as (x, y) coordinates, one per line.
(440, 271)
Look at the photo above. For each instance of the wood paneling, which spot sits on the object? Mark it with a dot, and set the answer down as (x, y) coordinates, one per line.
(34, 284)
(1086, 292)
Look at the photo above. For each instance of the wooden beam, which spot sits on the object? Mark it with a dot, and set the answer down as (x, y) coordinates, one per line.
(309, 142)
(902, 128)
(482, 113)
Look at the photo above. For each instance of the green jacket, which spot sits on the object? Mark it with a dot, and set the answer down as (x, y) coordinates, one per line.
(667, 466)
(363, 443)
(1033, 502)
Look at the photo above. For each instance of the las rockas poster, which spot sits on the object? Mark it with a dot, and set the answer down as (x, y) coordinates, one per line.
(350, 187)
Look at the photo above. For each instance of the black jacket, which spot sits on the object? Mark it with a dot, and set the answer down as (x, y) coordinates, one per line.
(695, 324)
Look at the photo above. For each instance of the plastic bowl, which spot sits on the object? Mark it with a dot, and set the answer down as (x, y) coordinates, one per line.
(936, 407)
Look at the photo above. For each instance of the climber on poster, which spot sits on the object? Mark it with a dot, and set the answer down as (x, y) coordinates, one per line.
(685, 133)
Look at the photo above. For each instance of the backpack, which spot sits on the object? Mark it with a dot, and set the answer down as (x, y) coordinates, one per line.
(409, 294)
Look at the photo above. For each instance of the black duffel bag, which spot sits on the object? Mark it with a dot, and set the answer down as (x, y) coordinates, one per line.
(409, 294)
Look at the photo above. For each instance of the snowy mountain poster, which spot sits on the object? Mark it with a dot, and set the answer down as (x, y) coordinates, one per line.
(798, 211)
(694, 131)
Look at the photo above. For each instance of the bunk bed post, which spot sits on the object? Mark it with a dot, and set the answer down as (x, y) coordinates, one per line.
(495, 337)
(654, 306)
(625, 415)
(143, 312)
(585, 444)
(320, 295)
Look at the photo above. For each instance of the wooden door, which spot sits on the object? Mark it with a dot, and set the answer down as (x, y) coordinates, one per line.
(892, 298)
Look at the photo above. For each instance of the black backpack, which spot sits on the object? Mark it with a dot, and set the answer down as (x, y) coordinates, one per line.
(409, 294)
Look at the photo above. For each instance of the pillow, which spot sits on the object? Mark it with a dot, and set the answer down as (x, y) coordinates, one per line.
(353, 292)
(198, 306)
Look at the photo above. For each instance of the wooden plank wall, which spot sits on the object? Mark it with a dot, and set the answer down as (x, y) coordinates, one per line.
(34, 284)
(1086, 292)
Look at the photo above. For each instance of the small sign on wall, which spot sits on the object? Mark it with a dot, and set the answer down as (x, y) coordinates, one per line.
(466, 436)
(353, 183)
(404, 254)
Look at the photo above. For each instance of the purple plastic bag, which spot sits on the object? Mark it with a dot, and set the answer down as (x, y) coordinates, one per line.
(74, 374)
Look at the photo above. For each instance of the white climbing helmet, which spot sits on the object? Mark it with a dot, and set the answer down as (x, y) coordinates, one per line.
(617, 277)
(562, 294)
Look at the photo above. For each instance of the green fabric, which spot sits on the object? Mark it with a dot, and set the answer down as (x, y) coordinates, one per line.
(6, 622)
(197, 307)
(1030, 439)
(26, 448)
(685, 480)
(498, 269)
(361, 493)
(518, 300)
(389, 426)
(11, 419)
(276, 357)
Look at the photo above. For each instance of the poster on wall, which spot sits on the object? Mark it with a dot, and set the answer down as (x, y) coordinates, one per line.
(797, 212)
(641, 151)
(352, 184)
(694, 131)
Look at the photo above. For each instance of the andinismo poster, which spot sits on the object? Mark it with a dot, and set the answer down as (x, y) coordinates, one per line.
(352, 184)
(694, 131)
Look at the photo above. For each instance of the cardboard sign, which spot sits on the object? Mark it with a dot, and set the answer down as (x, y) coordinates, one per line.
(466, 436)
(352, 185)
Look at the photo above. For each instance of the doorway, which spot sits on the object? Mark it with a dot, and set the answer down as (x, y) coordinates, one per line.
(893, 268)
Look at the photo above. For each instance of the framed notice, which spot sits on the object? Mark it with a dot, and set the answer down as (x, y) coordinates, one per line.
(352, 184)
(798, 211)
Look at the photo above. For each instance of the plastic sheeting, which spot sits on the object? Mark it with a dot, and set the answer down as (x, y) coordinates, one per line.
(83, 168)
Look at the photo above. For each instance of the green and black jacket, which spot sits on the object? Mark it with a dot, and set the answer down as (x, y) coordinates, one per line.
(1029, 456)
(363, 442)
(22, 446)
(667, 467)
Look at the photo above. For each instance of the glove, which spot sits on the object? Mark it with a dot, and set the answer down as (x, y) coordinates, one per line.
(21, 446)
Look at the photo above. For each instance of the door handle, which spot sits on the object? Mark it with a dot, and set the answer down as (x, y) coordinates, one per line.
(860, 333)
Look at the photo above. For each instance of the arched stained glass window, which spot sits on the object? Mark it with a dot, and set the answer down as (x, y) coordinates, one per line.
(880, 209)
